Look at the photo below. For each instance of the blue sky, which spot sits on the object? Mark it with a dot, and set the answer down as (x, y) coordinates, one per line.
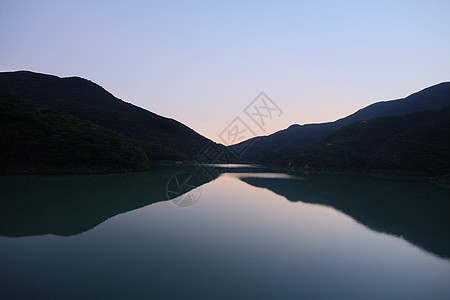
(202, 62)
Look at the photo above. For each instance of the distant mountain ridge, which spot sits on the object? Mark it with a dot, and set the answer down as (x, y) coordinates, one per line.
(415, 142)
(161, 138)
(296, 136)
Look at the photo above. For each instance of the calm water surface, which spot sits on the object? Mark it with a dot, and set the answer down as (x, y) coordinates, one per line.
(242, 233)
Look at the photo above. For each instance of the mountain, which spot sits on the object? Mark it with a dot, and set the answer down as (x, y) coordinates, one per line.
(161, 138)
(38, 140)
(297, 136)
(414, 142)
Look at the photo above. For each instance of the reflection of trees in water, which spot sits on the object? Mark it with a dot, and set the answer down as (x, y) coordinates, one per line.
(415, 210)
(184, 188)
(68, 205)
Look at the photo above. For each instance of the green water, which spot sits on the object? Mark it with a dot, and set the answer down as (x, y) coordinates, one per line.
(237, 233)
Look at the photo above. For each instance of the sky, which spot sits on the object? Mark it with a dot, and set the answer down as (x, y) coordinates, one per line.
(203, 62)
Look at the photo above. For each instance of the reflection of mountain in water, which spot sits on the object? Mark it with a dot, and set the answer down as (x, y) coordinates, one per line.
(415, 210)
(68, 205)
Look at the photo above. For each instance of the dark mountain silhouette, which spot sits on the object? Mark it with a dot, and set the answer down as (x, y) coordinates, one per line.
(297, 136)
(414, 142)
(414, 210)
(37, 140)
(161, 138)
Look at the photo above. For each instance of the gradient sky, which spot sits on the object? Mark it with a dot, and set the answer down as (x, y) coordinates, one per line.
(202, 62)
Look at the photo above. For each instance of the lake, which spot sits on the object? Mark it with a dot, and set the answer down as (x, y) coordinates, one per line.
(218, 232)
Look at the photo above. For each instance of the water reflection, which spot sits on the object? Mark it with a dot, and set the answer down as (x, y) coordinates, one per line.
(241, 241)
(415, 210)
(69, 205)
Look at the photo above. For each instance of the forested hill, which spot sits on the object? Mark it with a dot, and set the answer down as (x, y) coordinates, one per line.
(40, 140)
(161, 138)
(416, 142)
(297, 136)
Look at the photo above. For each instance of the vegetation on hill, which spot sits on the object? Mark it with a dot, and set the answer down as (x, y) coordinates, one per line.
(40, 140)
(62, 125)
(297, 136)
(161, 138)
(414, 142)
